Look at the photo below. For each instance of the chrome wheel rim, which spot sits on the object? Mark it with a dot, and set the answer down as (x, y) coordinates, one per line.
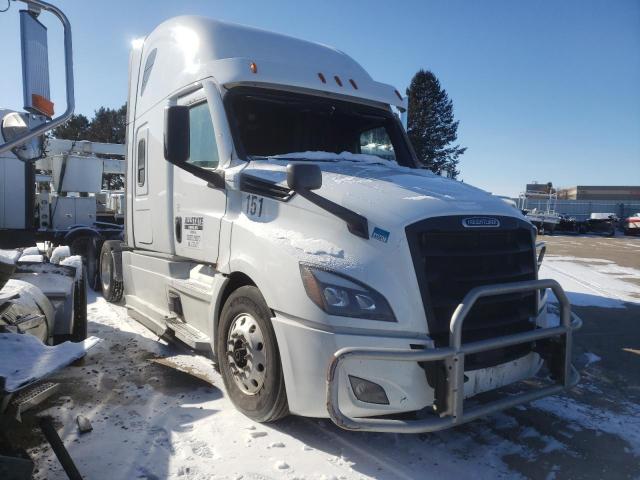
(246, 354)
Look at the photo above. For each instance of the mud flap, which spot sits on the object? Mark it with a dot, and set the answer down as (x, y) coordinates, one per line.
(117, 261)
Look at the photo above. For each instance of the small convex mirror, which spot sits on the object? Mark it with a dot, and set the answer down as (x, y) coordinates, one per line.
(14, 125)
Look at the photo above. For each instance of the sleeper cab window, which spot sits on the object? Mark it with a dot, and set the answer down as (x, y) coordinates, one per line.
(377, 142)
(142, 161)
(202, 139)
(148, 66)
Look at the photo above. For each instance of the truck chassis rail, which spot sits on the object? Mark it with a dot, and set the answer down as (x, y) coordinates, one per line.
(454, 357)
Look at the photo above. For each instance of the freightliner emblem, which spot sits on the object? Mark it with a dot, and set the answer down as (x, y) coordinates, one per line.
(480, 222)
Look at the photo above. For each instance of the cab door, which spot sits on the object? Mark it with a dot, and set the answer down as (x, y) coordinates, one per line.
(198, 205)
(142, 211)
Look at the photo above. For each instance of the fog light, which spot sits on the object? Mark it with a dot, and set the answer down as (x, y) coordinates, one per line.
(367, 391)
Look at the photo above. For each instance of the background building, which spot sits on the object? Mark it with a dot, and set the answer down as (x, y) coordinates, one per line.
(583, 200)
(591, 192)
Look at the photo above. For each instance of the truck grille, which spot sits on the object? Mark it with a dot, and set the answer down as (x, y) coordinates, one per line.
(451, 259)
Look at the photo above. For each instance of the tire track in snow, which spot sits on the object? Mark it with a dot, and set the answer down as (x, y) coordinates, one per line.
(594, 287)
(377, 457)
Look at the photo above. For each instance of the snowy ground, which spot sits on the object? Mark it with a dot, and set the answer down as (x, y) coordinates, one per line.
(159, 412)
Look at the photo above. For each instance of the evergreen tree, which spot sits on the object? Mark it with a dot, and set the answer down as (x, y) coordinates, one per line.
(431, 126)
(108, 125)
(73, 129)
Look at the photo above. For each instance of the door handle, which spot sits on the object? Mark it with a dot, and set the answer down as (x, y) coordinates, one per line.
(178, 229)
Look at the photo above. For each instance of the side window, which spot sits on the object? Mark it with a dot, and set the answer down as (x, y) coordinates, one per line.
(142, 162)
(377, 142)
(202, 139)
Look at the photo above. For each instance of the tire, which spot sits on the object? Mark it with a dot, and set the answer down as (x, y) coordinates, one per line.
(79, 246)
(112, 288)
(266, 401)
(94, 247)
(80, 322)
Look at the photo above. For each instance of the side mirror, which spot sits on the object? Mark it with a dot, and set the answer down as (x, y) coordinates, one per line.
(15, 125)
(302, 176)
(176, 134)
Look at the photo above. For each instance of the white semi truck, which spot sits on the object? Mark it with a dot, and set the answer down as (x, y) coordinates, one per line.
(277, 220)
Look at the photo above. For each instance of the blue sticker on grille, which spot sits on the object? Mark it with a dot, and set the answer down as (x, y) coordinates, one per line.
(380, 235)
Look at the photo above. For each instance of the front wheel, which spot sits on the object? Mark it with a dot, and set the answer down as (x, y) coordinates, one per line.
(248, 357)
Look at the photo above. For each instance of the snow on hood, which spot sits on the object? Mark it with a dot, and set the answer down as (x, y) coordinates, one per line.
(384, 191)
(334, 157)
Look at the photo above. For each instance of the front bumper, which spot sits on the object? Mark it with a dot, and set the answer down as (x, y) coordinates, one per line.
(453, 357)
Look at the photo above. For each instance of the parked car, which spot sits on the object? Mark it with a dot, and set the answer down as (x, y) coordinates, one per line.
(631, 225)
(568, 224)
(600, 223)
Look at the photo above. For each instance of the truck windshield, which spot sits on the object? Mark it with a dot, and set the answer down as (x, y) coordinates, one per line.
(272, 124)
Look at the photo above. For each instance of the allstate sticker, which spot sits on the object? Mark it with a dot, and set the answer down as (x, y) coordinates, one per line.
(380, 235)
(193, 227)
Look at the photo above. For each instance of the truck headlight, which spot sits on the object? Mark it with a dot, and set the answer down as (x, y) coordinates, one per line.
(340, 295)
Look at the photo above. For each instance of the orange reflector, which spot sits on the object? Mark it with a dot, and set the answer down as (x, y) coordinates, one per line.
(253, 67)
(321, 77)
(353, 83)
(338, 81)
(398, 94)
(41, 104)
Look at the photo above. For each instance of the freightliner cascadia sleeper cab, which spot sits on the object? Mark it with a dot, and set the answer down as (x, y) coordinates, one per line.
(277, 220)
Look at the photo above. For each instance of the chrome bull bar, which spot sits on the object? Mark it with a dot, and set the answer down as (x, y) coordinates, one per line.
(454, 357)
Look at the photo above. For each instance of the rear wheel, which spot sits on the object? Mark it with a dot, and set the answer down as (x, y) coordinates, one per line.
(248, 357)
(79, 246)
(112, 288)
(94, 245)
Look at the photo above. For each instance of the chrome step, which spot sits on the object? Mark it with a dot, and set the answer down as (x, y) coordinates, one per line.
(188, 334)
(32, 396)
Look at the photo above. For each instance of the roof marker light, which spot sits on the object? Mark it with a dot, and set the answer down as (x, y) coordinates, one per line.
(253, 67)
(353, 83)
(321, 77)
(338, 81)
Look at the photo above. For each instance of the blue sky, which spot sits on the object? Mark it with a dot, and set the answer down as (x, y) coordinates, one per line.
(544, 90)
